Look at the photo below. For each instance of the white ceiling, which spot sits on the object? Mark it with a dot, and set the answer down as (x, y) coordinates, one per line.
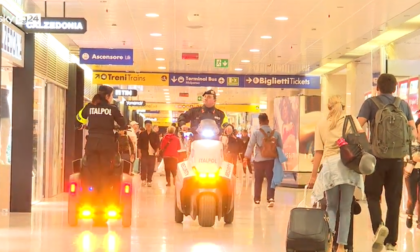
(316, 30)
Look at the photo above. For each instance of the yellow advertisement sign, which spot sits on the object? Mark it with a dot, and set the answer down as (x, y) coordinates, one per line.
(122, 78)
(184, 107)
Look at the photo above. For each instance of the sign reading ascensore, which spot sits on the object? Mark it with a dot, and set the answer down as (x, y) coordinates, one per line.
(121, 78)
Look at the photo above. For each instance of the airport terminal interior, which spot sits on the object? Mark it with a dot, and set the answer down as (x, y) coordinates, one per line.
(195, 82)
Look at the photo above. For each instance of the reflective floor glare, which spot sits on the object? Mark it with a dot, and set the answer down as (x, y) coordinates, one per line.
(255, 228)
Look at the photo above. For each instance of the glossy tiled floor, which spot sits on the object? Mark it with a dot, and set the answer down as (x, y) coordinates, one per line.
(254, 229)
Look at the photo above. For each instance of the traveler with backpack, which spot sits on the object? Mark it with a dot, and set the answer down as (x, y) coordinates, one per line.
(126, 147)
(392, 129)
(267, 141)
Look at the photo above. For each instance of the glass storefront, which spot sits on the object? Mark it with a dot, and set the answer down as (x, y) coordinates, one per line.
(54, 136)
(5, 135)
(38, 142)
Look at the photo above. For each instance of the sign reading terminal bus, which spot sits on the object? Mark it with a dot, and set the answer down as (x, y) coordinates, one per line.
(58, 25)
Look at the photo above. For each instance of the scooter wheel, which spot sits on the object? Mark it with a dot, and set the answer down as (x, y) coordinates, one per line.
(72, 217)
(206, 210)
(179, 216)
(126, 217)
(229, 217)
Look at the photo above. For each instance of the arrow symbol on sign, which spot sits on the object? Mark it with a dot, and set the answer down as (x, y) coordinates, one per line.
(173, 79)
(96, 76)
(224, 63)
(249, 80)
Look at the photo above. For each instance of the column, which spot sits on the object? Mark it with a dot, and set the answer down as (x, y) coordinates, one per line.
(270, 107)
(359, 82)
(73, 138)
(22, 131)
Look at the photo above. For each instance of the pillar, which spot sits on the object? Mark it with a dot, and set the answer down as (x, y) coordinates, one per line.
(270, 107)
(22, 131)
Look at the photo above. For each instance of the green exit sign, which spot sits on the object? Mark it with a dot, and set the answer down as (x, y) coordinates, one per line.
(199, 98)
(221, 63)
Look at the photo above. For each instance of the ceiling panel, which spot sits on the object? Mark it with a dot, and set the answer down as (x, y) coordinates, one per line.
(315, 31)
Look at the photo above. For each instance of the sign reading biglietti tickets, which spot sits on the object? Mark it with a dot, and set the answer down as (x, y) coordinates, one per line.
(282, 81)
(57, 25)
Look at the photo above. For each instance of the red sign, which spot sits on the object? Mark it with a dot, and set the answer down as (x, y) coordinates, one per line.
(190, 56)
(183, 95)
(413, 94)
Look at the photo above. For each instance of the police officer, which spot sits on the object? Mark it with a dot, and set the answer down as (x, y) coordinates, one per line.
(194, 115)
(101, 146)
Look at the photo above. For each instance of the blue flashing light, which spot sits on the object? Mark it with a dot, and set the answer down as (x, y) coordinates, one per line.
(90, 188)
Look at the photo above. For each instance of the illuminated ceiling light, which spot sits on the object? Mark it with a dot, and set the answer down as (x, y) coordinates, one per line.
(167, 99)
(162, 68)
(166, 93)
(219, 90)
(245, 61)
(155, 34)
(266, 37)
(152, 15)
(238, 69)
(166, 90)
(254, 50)
(281, 18)
(160, 59)
(158, 48)
(168, 102)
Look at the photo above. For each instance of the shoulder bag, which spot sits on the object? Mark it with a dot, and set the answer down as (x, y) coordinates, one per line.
(352, 145)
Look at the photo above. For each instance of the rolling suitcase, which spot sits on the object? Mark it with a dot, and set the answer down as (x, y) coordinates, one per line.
(308, 229)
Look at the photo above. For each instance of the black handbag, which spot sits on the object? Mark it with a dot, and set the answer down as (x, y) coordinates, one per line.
(357, 144)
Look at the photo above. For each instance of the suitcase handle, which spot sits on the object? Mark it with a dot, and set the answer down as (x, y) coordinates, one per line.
(302, 204)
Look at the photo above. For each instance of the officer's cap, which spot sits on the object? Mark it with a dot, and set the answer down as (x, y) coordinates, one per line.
(210, 92)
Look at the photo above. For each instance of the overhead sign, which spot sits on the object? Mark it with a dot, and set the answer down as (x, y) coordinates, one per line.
(282, 81)
(135, 103)
(204, 80)
(98, 56)
(184, 107)
(13, 44)
(184, 94)
(221, 63)
(190, 56)
(57, 25)
(123, 78)
(125, 92)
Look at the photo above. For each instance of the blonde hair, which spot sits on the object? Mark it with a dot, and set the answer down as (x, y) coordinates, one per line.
(335, 105)
(171, 130)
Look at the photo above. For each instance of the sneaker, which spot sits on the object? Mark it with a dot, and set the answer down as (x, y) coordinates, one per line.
(257, 202)
(168, 184)
(380, 236)
(149, 184)
(270, 202)
(143, 182)
(409, 221)
(390, 247)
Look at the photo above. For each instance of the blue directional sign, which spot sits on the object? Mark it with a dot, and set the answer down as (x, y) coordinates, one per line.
(96, 56)
(205, 80)
(282, 81)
